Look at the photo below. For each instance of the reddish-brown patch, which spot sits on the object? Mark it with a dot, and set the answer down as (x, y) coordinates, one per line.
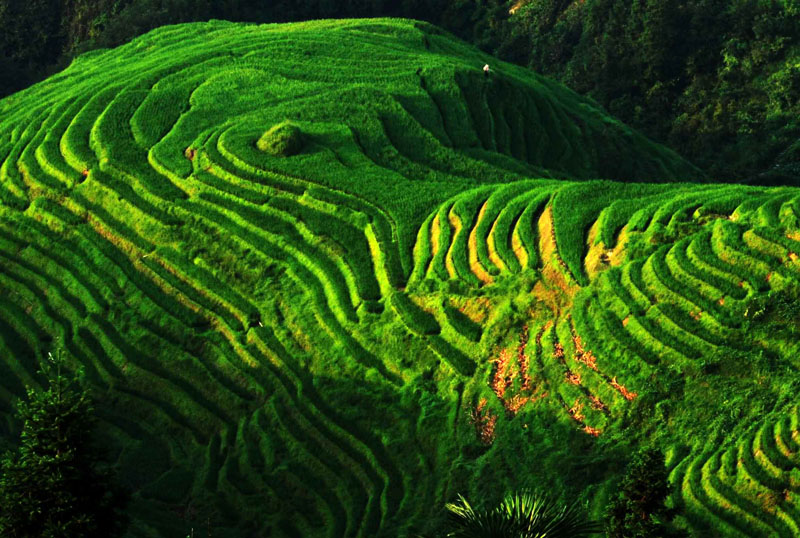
(576, 411)
(85, 173)
(505, 370)
(522, 359)
(514, 404)
(484, 421)
(597, 404)
(583, 356)
(626, 321)
(573, 377)
(190, 153)
(628, 395)
(721, 301)
(578, 343)
(770, 500)
(594, 432)
(503, 374)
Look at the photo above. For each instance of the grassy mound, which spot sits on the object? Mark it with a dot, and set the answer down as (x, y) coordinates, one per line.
(282, 140)
(336, 343)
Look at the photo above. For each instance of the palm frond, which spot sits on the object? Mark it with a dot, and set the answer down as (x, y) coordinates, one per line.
(466, 522)
(521, 515)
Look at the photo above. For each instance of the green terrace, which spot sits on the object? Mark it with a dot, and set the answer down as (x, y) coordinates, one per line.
(321, 277)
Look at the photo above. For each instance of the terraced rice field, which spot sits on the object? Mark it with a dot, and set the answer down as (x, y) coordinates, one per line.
(430, 298)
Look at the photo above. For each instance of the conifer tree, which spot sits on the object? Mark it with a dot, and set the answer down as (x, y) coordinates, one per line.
(52, 485)
(639, 510)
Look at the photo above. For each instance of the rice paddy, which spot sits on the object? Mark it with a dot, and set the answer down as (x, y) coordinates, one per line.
(321, 277)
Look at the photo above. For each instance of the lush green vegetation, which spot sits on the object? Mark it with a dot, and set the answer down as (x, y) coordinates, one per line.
(43, 36)
(53, 484)
(434, 295)
(639, 509)
(282, 140)
(519, 515)
(717, 81)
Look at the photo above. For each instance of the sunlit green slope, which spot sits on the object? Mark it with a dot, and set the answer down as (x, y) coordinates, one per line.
(321, 277)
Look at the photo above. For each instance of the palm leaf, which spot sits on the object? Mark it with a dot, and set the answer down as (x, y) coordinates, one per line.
(520, 515)
(466, 522)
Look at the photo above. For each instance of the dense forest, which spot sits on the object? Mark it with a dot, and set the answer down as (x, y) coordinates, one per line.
(717, 81)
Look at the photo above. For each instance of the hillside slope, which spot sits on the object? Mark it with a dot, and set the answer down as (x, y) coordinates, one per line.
(316, 292)
(716, 81)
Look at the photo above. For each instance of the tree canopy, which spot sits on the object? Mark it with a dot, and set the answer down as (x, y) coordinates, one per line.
(53, 484)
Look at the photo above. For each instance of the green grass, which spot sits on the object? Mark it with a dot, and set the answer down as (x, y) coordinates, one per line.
(285, 258)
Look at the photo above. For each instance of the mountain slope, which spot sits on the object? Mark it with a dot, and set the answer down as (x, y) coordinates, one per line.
(316, 292)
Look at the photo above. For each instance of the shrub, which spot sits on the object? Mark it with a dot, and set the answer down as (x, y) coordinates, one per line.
(282, 140)
(639, 510)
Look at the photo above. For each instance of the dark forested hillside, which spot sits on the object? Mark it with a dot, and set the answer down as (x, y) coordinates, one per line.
(718, 81)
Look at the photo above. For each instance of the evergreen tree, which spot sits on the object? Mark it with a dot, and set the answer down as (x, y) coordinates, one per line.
(52, 486)
(639, 510)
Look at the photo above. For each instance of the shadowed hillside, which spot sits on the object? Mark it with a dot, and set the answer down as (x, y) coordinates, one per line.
(321, 277)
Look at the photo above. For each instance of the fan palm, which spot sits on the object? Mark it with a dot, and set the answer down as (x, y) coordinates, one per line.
(520, 515)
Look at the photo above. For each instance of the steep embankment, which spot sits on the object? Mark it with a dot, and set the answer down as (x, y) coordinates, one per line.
(330, 326)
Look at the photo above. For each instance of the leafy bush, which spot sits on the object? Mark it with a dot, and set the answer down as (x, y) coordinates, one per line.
(639, 509)
(282, 140)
